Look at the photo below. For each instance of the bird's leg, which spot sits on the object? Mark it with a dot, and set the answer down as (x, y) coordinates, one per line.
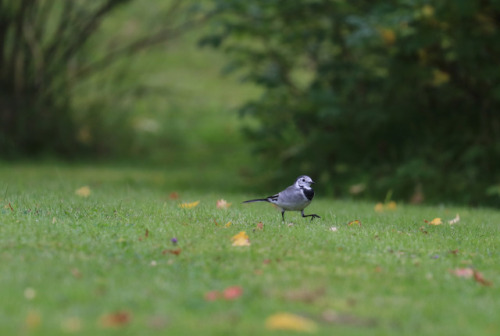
(311, 215)
(283, 215)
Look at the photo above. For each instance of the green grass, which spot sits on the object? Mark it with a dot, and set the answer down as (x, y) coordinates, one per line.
(88, 257)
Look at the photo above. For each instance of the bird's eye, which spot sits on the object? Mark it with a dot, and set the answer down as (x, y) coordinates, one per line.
(303, 180)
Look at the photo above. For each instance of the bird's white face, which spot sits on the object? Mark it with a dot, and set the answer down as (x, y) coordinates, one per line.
(304, 182)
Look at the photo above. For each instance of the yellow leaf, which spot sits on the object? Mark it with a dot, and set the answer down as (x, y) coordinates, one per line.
(83, 191)
(71, 325)
(391, 205)
(440, 77)
(228, 224)
(436, 221)
(379, 207)
(33, 320)
(287, 321)
(222, 204)
(241, 239)
(427, 11)
(388, 36)
(189, 205)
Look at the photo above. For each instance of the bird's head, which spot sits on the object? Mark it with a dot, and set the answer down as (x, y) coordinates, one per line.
(304, 182)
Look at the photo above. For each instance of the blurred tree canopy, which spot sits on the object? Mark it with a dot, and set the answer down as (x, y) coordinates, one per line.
(372, 97)
(45, 53)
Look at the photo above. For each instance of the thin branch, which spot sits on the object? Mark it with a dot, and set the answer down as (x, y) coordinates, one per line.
(140, 44)
(89, 27)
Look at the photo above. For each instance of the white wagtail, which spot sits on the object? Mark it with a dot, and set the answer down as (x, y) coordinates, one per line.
(294, 198)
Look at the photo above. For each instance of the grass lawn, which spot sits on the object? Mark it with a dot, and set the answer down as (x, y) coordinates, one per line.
(71, 264)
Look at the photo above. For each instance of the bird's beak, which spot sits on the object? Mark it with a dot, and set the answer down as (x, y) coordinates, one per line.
(312, 182)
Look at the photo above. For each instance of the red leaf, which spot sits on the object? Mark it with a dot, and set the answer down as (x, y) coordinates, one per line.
(212, 295)
(233, 292)
(260, 226)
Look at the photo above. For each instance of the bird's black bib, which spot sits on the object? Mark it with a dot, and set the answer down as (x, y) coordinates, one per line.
(309, 193)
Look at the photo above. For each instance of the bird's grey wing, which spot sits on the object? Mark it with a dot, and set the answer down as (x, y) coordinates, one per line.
(292, 198)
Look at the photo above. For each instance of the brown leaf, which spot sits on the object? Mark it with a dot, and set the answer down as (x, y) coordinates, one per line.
(478, 276)
(423, 230)
(306, 295)
(173, 196)
(10, 207)
(76, 273)
(260, 226)
(115, 319)
(176, 251)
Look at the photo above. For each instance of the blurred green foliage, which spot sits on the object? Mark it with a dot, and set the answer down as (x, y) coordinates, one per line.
(372, 96)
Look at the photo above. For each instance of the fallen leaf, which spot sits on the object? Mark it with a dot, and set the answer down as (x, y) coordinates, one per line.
(330, 316)
(157, 322)
(423, 230)
(478, 276)
(29, 293)
(391, 205)
(305, 294)
(455, 252)
(189, 205)
(9, 206)
(172, 251)
(76, 273)
(463, 272)
(173, 196)
(83, 191)
(379, 207)
(355, 222)
(241, 239)
(232, 292)
(287, 321)
(71, 325)
(228, 224)
(222, 204)
(33, 320)
(115, 319)
(454, 220)
(260, 226)
(212, 295)
(435, 221)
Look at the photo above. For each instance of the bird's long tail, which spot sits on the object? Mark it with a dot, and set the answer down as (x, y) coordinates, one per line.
(257, 200)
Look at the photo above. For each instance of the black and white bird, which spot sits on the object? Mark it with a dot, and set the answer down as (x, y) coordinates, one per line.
(294, 198)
